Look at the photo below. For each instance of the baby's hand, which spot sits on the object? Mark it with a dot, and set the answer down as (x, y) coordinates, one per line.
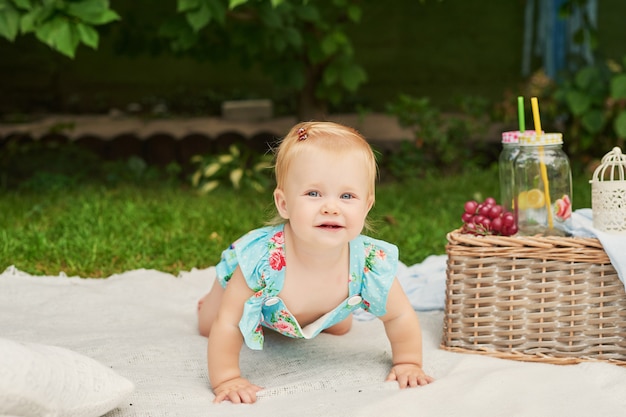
(409, 375)
(237, 391)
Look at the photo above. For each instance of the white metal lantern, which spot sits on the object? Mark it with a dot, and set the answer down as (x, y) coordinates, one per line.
(608, 193)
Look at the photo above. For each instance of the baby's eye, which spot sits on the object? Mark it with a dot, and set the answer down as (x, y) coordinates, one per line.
(346, 196)
(313, 194)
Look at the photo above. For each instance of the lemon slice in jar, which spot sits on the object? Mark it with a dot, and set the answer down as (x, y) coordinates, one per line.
(522, 202)
(535, 198)
(531, 199)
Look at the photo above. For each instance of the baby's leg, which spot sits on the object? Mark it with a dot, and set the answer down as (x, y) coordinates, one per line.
(340, 328)
(207, 308)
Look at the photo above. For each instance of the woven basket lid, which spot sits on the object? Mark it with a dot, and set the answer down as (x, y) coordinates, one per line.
(612, 167)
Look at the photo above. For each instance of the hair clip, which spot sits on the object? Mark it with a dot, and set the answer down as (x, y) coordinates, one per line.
(302, 134)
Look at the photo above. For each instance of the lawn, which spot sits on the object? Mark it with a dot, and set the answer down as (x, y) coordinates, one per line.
(96, 230)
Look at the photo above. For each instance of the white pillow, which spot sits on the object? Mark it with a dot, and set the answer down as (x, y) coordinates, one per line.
(40, 380)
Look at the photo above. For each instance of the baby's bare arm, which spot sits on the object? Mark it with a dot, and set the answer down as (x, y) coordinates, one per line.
(405, 335)
(224, 345)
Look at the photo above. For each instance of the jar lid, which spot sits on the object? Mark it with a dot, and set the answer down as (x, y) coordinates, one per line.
(511, 136)
(540, 140)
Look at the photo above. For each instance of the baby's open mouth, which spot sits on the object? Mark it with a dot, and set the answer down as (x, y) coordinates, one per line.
(330, 226)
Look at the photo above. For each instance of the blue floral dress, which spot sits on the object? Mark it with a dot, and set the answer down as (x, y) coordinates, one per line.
(261, 256)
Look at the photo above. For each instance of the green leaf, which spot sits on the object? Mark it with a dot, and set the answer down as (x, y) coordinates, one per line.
(225, 159)
(199, 18)
(308, 13)
(619, 124)
(587, 76)
(218, 10)
(207, 187)
(234, 150)
(107, 17)
(257, 186)
(9, 20)
(354, 13)
(186, 5)
(27, 22)
(333, 42)
(95, 12)
(293, 37)
(211, 169)
(60, 35)
(181, 36)
(23, 4)
(67, 40)
(234, 3)
(352, 76)
(235, 177)
(88, 35)
(331, 75)
(270, 18)
(195, 179)
(593, 121)
(618, 87)
(578, 102)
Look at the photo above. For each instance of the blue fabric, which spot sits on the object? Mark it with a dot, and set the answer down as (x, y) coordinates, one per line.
(261, 257)
(614, 244)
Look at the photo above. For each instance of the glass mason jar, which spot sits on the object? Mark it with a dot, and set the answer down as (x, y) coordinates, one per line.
(543, 186)
(510, 149)
(506, 166)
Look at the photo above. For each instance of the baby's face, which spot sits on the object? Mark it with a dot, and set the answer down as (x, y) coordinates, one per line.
(326, 197)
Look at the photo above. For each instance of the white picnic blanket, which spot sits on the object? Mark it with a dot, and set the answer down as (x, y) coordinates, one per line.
(142, 324)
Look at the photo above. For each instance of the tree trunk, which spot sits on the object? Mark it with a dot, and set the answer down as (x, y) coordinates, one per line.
(309, 106)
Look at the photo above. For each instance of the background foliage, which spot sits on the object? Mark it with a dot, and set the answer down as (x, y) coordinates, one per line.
(446, 69)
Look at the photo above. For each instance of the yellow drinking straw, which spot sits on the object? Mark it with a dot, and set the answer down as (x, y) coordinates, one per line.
(544, 171)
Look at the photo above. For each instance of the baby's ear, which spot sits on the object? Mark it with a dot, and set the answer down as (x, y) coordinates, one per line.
(370, 202)
(281, 203)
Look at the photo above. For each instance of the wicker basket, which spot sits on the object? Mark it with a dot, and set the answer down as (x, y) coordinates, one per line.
(542, 299)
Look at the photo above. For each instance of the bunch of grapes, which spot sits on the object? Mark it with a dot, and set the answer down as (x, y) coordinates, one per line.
(488, 218)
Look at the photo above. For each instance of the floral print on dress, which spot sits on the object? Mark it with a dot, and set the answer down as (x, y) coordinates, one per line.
(371, 254)
(257, 335)
(277, 254)
(284, 322)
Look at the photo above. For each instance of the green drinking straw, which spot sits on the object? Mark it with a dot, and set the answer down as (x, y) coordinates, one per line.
(520, 114)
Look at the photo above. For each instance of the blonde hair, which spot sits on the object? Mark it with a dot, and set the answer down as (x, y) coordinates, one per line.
(326, 136)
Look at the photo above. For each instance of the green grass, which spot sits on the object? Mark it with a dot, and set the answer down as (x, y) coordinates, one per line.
(95, 231)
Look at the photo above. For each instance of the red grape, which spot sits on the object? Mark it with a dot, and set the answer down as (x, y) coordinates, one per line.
(485, 209)
(508, 219)
(471, 206)
(470, 227)
(495, 211)
(496, 224)
(487, 218)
